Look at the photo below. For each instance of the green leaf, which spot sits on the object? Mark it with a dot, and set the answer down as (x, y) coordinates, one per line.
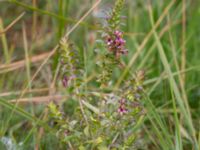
(86, 131)
(102, 147)
(81, 147)
(91, 107)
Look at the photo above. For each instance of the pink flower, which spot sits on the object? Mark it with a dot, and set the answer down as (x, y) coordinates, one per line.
(118, 33)
(116, 44)
(122, 107)
(65, 81)
(122, 111)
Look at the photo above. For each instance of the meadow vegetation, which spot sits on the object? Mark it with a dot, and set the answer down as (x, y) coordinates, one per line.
(99, 74)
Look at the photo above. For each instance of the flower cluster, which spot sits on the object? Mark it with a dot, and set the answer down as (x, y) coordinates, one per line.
(116, 44)
(122, 107)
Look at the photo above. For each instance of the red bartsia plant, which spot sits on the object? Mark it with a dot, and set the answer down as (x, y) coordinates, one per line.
(103, 119)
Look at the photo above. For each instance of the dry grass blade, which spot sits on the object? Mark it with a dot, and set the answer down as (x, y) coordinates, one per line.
(183, 58)
(42, 90)
(20, 64)
(39, 100)
(12, 23)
